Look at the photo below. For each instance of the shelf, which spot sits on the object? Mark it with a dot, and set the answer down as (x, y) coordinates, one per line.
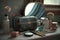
(53, 8)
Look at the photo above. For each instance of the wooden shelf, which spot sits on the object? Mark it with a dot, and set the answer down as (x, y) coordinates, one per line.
(53, 8)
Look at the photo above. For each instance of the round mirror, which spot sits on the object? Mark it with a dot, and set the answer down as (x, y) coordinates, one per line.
(29, 8)
(35, 9)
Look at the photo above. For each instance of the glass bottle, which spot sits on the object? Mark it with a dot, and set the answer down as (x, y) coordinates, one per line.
(6, 24)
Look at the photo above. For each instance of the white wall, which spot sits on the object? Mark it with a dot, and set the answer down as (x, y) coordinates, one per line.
(52, 2)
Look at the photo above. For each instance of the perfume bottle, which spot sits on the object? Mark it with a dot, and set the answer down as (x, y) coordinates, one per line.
(46, 25)
(6, 24)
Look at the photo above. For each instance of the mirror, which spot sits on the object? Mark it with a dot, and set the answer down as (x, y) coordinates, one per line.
(35, 9)
(29, 8)
(51, 2)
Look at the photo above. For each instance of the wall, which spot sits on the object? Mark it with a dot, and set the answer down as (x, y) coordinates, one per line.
(17, 7)
(53, 6)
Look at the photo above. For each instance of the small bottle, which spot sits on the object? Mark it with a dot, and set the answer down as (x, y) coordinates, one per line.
(6, 24)
(46, 24)
(40, 29)
(40, 25)
(53, 26)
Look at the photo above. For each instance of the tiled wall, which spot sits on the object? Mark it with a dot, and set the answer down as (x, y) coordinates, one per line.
(57, 18)
(54, 9)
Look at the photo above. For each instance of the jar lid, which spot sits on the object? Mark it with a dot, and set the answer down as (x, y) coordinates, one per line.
(42, 18)
(28, 34)
(54, 22)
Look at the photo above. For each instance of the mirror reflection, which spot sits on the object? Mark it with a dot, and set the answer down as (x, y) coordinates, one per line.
(29, 8)
(35, 9)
